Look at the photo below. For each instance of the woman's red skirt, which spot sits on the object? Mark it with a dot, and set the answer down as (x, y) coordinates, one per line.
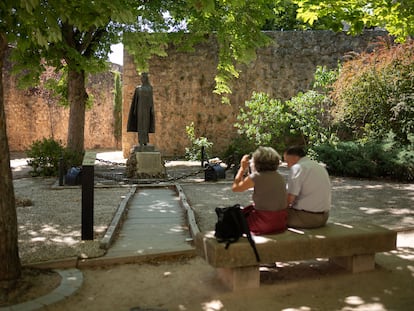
(265, 222)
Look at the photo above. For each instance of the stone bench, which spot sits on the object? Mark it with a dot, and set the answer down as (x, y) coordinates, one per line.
(352, 246)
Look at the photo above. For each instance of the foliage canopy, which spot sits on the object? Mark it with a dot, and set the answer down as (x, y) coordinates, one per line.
(374, 93)
(396, 16)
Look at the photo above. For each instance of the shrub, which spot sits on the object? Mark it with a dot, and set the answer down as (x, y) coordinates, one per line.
(304, 119)
(310, 117)
(45, 155)
(193, 153)
(237, 148)
(265, 121)
(117, 113)
(374, 93)
(270, 122)
(382, 158)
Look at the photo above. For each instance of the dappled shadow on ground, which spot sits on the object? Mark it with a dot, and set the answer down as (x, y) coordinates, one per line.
(378, 202)
(320, 285)
(383, 203)
(50, 228)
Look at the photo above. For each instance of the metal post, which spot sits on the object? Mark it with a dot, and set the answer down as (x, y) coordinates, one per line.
(202, 156)
(87, 195)
(61, 171)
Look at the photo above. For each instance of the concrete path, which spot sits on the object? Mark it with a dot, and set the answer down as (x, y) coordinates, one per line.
(155, 223)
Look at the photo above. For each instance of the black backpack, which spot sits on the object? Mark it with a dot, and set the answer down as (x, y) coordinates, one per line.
(231, 225)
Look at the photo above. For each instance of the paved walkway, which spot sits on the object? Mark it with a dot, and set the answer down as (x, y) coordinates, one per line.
(155, 223)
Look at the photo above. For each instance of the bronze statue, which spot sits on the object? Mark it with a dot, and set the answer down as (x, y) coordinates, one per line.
(141, 116)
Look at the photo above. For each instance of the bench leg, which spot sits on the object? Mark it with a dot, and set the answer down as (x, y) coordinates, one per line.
(240, 278)
(356, 263)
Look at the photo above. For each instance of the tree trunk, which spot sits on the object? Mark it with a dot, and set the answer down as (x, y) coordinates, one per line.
(10, 267)
(77, 99)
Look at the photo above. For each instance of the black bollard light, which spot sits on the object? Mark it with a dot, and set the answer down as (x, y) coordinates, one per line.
(202, 156)
(61, 173)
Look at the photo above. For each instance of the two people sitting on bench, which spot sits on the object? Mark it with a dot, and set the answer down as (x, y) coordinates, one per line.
(268, 213)
(304, 202)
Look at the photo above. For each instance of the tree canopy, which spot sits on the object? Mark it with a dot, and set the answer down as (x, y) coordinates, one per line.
(396, 16)
(235, 24)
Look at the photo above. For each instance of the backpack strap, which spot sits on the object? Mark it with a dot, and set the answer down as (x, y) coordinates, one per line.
(253, 245)
(246, 230)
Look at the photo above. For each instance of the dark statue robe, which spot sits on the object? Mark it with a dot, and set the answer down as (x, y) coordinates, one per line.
(141, 116)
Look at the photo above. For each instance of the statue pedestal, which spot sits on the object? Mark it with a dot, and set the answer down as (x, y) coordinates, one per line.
(143, 148)
(145, 163)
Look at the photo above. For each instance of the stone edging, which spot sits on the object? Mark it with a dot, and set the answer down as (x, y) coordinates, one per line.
(72, 280)
(107, 239)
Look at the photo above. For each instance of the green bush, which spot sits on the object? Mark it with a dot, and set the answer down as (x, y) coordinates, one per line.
(265, 121)
(193, 153)
(374, 93)
(45, 155)
(237, 148)
(382, 158)
(304, 119)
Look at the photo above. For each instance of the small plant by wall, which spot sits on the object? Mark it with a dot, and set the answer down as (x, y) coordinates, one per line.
(193, 153)
(45, 155)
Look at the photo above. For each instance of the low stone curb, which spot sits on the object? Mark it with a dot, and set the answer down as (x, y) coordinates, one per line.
(190, 212)
(107, 240)
(133, 259)
(72, 280)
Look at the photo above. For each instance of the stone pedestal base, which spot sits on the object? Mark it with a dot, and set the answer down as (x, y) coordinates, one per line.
(145, 163)
(355, 263)
(143, 148)
(240, 278)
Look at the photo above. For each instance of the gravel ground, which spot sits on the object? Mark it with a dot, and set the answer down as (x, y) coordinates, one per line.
(384, 203)
(49, 217)
(50, 227)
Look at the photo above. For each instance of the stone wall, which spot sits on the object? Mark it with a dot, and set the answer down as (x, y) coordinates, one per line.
(183, 84)
(33, 114)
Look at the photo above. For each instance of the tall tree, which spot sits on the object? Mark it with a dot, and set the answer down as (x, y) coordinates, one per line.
(76, 34)
(87, 29)
(9, 256)
(15, 16)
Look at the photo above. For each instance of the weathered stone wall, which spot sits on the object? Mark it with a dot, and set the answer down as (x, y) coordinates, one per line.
(183, 84)
(33, 114)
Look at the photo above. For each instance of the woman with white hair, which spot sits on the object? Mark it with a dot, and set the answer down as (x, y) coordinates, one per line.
(268, 213)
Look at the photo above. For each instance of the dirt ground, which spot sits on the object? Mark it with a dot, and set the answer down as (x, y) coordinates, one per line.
(298, 286)
(191, 284)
